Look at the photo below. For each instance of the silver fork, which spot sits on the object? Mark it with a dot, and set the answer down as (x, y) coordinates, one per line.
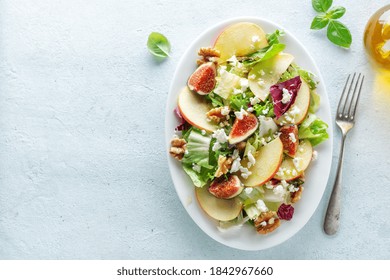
(345, 119)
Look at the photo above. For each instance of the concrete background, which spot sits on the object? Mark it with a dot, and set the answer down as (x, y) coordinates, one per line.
(83, 172)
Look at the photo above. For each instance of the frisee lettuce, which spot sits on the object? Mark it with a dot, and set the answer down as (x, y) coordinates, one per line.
(313, 129)
(198, 147)
(199, 178)
(265, 108)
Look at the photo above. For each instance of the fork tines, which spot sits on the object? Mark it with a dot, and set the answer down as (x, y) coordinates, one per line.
(350, 97)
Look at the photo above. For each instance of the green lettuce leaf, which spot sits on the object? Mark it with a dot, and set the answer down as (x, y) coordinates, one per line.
(199, 179)
(198, 147)
(313, 129)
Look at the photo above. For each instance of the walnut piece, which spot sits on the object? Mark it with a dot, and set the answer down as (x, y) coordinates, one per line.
(267, 222)
(296, 196)
(208, 55)
(241, 146)
(216, 115)
(178, 148)
(224, 165)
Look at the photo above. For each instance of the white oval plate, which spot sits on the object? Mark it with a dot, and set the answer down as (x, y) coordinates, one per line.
(246, 237)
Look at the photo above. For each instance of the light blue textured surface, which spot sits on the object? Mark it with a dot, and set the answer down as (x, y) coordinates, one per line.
(83, 171)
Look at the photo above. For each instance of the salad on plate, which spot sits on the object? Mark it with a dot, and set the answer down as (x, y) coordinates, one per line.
(247, 129)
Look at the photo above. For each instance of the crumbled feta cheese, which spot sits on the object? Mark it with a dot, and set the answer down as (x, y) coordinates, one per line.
(286, 97)
(240, 114)
(297, 163)
(233, 60)
(236, 165)
(292, 188)
(265, 111)
(216, 146)
(235, 154)
(294, 172)
(292, 137)
(203, 132)
(263, 223)
(261, 82)
(315, 155)
(251, 158)
(301, 149)
(271, 221)
(250, 109)
(255, 39)
(269, 185)
(186, 152)
(262, 73)
(244, 84)
(248, 190)
(261, 206)
(269, 139)
(196, 168)
(236, 91)
(254, 100)
(252, 77)
(279, 190)
(225, 111)
(288, 171)
(263, 142)
(245, 172)
(284, 183)
(294, 111)
(220, 135)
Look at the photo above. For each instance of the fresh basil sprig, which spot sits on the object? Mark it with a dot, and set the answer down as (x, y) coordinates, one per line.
(158, 45)
(337, 32)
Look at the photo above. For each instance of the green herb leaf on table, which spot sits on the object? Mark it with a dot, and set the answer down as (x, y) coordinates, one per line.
(321, 5)
(319, 22)
(339, 34)
(158, 45)
(336, 12)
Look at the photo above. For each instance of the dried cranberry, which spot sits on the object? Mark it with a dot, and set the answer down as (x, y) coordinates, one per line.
(285, 212)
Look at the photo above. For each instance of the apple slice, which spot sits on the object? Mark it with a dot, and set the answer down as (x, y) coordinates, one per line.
(240, 39)
(194, 108)
(268, 159)
(217, 208)
(267, 73)
(299, 109)
(292, 168)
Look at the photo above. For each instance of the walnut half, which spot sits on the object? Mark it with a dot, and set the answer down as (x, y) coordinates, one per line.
(224, 165)
(296, 196)
(267, 222)
(178, 148)
(208, 55)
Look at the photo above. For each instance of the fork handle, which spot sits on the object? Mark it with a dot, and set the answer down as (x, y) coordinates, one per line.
(332, 223)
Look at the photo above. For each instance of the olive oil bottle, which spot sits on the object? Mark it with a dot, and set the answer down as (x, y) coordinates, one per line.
(377, 44)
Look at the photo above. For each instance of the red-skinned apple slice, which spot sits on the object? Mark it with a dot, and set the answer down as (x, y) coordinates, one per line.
(268, 159)
(194, 108)
(240, 39)
(289, 170)
(298, 111)
(267, 73)
(217, 208)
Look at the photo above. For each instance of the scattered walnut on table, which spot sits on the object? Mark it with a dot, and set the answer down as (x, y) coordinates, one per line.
(178, 148)
(208, 55)
(267, 222)
(224, 165)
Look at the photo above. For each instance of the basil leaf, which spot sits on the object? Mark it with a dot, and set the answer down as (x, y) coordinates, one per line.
(321, 5)
(336, 12)
(273, 38)
(264, 54)
(319, 22)
(339, 34)
(158, 45)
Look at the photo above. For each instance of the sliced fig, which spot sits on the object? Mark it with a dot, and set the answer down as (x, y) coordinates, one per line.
(203, 81)
(284, 95)
(290, 140)
(243, 128)
(226, 188)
